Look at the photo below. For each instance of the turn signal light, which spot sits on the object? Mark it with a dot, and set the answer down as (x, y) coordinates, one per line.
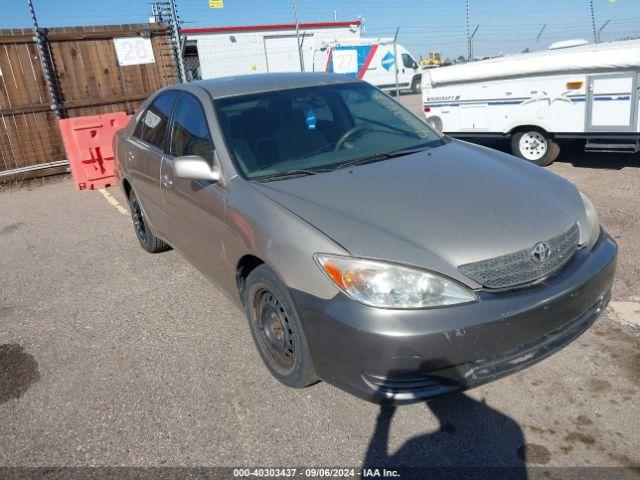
(574, 85)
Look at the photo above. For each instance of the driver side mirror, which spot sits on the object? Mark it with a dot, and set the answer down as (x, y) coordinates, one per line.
(195, 167)
(435, 122)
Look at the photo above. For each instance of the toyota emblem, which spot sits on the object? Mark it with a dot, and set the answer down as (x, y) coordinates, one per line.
(540, 252)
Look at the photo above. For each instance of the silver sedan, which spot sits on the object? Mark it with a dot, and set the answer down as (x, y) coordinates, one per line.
(365, 248)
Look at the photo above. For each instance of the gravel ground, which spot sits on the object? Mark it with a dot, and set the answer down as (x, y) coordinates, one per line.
(113, 357)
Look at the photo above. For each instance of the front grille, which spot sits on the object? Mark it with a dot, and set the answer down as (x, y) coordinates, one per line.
(519, 268)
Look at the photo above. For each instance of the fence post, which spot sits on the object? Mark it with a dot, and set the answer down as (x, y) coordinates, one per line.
(44, 53)
(295, 19)
(395, 61)
(177, 41)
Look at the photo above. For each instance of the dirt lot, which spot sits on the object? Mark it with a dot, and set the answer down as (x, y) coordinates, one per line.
(111, 356)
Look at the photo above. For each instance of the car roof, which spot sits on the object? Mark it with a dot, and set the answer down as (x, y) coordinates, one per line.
(265, 82)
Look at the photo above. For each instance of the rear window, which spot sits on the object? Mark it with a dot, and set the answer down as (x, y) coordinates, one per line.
(153, 124)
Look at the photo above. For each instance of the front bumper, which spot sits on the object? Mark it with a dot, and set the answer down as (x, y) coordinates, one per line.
(405, 355)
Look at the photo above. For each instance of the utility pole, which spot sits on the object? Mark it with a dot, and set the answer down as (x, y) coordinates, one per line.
(295, 19)
(593, 22)
(45, 56)
(469, 48)
(177, 41)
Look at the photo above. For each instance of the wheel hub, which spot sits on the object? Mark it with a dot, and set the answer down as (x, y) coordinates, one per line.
(273, 326)
(533, 145)
(275, 329)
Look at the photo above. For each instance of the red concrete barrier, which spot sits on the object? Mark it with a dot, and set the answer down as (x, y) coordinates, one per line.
(89, 145)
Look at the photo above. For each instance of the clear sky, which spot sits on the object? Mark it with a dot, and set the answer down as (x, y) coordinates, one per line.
(505, 26)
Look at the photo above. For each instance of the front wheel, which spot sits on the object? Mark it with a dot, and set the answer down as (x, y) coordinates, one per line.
(535, 146)
(276, 329)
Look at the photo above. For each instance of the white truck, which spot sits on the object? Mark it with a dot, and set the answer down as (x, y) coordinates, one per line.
(372, 60)
(588, 92)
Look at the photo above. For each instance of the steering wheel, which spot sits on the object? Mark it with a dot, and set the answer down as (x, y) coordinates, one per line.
(349, 133)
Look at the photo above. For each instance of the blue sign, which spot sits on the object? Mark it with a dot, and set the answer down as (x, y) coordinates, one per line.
(387, 61)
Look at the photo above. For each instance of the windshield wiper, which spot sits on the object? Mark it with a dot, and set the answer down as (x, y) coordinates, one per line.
(301, 172)
(381, 156)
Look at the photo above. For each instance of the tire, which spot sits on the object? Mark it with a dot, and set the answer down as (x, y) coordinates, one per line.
(415, 85)
(535, 146)
(148, 241)
(276, 329)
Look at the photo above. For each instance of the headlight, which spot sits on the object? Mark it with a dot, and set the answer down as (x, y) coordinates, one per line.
(590, 232)
(386, 285)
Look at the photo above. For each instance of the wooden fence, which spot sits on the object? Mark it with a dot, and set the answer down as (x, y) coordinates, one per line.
(86, 80)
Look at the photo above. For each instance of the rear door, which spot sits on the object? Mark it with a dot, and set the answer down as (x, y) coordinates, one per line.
(144, 157)
(612, 103)
(195, 209)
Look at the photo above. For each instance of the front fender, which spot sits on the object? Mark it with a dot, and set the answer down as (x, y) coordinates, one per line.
(274, 234)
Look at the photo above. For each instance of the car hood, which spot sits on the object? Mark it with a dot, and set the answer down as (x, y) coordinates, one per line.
(437, 209)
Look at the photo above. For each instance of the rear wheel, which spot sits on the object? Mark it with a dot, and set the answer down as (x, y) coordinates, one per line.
(276, 329)
(535, 146)
(415, 85)
(148, 241)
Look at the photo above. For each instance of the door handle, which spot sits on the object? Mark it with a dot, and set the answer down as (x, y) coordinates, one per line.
(166, 181)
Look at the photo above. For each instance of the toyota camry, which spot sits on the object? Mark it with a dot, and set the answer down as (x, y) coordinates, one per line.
(365, 248)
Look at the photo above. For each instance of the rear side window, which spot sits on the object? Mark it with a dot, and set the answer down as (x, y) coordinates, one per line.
(153, 125)
(190, 135)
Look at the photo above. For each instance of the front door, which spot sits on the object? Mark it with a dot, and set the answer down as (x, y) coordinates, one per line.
(612, 102)
(408, 68)
(195, 209)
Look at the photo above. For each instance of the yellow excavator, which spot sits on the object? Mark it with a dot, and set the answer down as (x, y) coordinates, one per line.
(434, 59)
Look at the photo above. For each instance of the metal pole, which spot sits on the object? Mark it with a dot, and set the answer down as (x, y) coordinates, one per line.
(471, 42)
(593, 22)
(177, 41)
(540, 33)
(43, 53)
(602, 28)
(395, 61)
(469, 48)
(295, 18)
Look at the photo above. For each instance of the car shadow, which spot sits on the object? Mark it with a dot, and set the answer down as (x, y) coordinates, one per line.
(18, 371)
(473, 438)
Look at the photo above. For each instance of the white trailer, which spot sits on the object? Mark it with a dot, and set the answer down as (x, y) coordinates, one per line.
(375, 60)
(588, 92)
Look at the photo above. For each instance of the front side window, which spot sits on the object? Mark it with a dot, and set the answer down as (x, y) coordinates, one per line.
(317, 129)
(190, 135)
(407, 61)
(155, 119)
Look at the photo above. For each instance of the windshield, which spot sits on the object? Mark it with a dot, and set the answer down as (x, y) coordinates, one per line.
(317, 129)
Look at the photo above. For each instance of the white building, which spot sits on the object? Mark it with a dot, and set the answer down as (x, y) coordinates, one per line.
(224, 51)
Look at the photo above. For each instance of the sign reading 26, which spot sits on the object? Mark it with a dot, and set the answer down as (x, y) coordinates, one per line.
(134, 51)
